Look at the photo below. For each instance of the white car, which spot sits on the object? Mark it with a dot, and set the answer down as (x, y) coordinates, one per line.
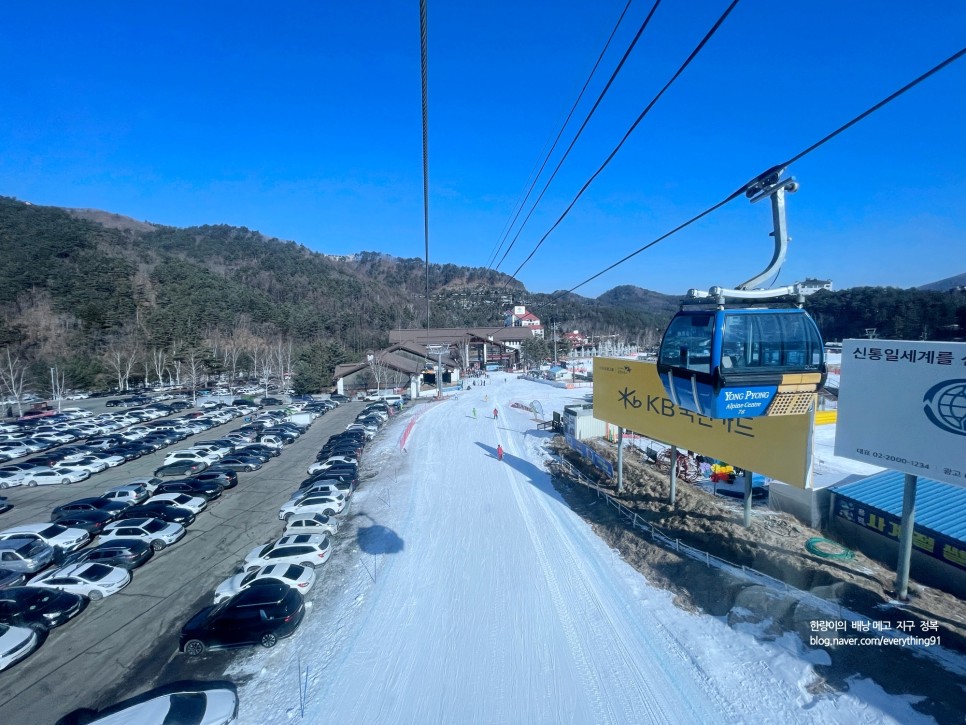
(327, 504)
(195, 504)
(311, 524)
(370, 433)
(16, 643)
(156, 532)
(110, 459)
(204, 706)
(55, 535)
(9, 479)
(331, 461)
(77, 412)
(91, 465)
(196, 456)
(92, 580)
(298, 577)
(308, 550)
(324, 487)
(42, 476)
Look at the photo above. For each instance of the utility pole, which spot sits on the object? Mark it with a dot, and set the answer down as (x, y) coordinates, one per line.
(553, 324)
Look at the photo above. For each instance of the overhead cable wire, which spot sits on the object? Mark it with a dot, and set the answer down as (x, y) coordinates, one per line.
(424, 74)
(553, 146)
(583, 125)
(778, 168)
(647, 109)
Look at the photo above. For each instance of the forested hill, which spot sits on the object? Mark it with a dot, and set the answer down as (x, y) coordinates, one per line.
(80, 287)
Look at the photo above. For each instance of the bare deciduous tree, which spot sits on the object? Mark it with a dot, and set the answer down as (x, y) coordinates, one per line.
(13, 372)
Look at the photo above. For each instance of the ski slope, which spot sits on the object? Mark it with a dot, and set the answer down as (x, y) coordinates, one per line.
(464, 590)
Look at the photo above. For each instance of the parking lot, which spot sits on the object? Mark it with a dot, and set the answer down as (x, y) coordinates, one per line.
(121, 644)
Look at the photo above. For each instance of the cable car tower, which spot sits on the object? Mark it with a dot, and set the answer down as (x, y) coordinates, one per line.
(744, 359)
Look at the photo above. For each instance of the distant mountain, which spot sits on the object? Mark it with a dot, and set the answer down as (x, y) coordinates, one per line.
(637, 298)
(944, 285)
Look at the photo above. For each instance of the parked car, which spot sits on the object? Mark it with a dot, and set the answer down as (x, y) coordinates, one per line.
(155, 531)
(9, 479)
(85, 463)
(309, 550)
(194, 504)
(311, 524)
(55, 476)
(16, 643)
(93, 522)
(240, 463)
(92, 580)
(298, 577)
(160, 510)
(27, 556)
(39, 607)
(183, 468)
(126, 553)
(12, 578)
(201, 706)
(260, 450)
(265, 402)
(129, 493)
(222, 476)
(330, 462)
(59, 537)
(206, 489)
(87, 504)
(262, 614)
(190, 454)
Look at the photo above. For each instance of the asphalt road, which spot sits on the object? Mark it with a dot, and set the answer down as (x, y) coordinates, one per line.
(122, 644)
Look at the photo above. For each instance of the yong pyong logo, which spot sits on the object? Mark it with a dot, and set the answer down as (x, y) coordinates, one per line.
(945, 406)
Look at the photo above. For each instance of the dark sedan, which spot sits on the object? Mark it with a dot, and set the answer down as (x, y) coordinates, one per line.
(93, 522)
(39, 606)
(260, 449)
(171, 514)
(222, 476)
(87, 504)
(181, 468)
(240, 463)
(262, 458)
(206, 489)
(257, 615)
(11, 578)
(126, 553)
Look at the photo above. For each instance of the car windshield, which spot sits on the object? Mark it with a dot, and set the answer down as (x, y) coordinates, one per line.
(153, 526)
(52, 531)
(181, 498)
(248, 577)
(96, 572)
(186, 707)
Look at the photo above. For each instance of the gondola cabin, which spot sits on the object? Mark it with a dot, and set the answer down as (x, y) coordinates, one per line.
(742, 363)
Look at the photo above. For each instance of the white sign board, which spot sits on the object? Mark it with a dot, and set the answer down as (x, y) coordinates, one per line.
(902, 405)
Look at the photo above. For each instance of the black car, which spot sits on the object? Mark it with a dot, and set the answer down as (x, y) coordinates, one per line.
(242, 401)
(181, 468)
(125, 553)
(222, 476)
(171, 514)
(339, 398)
(179, 405)
(289, 436)
(260, 455)
(114, 403)
(240, 463)
(93, 522)
(259, 449)
(271, 401)
(208, 490)
(39, 606)
(322, 477)
(128, 451)
(111, 508)
(263, 614)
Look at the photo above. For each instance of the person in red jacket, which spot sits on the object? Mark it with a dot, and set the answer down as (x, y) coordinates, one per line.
(496, 414)
(499, 452)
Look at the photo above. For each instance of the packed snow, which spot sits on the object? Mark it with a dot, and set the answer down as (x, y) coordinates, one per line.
(464, 590)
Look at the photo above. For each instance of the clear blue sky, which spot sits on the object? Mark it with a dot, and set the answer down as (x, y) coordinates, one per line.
(302, 120)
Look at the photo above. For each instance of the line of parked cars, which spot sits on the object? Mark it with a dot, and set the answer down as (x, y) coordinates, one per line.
(48, 571)
(264, 602)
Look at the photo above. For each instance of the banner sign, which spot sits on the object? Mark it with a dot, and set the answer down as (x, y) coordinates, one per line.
(902, 405)
(936, 545)
(629, 393)
(591, 455)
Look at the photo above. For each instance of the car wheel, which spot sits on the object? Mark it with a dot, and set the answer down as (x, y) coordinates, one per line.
(249, 468)
(32, 484)
(269, 640)
(64, 482)
(328, 512)
(194, 648)
(95, 595)
(157, 544)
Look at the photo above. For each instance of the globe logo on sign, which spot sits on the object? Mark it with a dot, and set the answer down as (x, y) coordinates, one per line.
(945, 406)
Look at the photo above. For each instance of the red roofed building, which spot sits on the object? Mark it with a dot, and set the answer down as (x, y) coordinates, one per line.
(518, 316)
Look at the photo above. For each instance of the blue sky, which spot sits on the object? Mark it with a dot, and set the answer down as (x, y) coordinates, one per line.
(303, 121)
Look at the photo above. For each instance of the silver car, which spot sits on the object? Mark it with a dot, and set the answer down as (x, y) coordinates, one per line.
(25, 555)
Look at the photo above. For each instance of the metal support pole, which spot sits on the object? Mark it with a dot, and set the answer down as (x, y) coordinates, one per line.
(674, 473)
(905, 536)
(747, 515)
(620, 460)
